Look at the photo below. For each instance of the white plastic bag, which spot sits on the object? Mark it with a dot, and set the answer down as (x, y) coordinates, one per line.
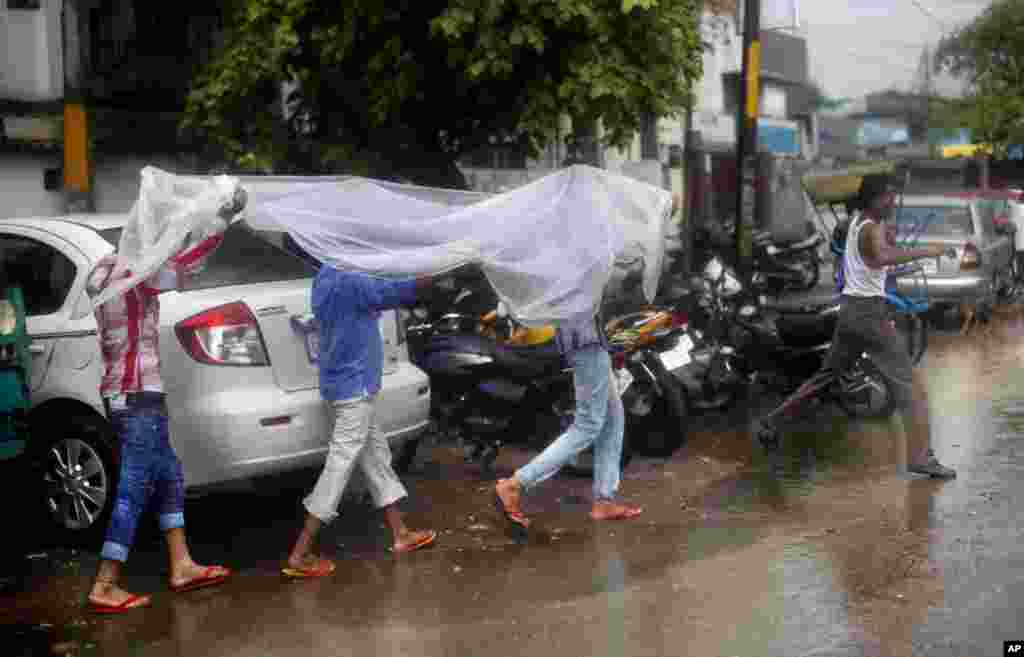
(547, 248)
(168, 210)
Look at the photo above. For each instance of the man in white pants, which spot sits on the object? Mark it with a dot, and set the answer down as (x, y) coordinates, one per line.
(348, 306)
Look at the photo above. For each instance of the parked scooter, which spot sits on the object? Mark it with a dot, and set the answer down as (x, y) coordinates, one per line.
(776, 266)
(743, 341)
(496, 382)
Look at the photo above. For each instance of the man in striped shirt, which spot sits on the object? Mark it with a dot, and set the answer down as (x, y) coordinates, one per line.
(133, 393)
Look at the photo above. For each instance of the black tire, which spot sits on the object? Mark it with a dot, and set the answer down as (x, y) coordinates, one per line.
(663, 430)
(915, 331)
(869, 382)
(403, 459)
(76, 501)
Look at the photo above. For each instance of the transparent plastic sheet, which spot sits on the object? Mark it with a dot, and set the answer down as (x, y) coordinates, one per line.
(547, 248)
(169, 210)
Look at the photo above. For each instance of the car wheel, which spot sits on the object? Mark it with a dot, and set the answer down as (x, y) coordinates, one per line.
(78, 470)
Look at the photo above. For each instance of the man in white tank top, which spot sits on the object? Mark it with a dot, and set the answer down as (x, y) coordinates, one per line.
(865, 325)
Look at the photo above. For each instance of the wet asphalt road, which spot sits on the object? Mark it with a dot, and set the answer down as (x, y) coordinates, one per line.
(829, 549)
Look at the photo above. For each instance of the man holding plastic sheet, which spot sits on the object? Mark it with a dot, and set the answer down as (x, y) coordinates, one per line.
(132, 390)
(599, 422)
(865, 324)
(347, 306)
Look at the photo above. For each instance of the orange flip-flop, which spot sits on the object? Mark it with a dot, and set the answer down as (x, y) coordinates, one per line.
(321, 568)
(412, 547)
(131, 602)
(208, 578)
(624, 512)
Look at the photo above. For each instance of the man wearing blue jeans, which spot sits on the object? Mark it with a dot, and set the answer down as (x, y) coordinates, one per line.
(599, 422)
(133, 393)
(347, 306)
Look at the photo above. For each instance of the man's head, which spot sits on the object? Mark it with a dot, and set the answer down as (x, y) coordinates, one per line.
(877, 198)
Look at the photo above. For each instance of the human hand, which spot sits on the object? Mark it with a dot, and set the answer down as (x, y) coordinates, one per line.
(230, 210)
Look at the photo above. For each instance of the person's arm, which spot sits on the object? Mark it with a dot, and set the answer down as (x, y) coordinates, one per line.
(879, 252)
(379, 294)
(101, 275)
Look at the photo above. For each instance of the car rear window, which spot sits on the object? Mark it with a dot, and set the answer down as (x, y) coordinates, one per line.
(246, 256)
(933, 221)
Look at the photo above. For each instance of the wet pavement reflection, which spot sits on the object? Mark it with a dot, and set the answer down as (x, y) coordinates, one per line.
(829, 548)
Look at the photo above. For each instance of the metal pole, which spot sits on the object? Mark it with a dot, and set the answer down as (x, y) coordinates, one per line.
(746, 129)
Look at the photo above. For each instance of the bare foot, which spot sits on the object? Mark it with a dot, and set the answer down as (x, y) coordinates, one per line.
(410, 540)
(106, 594)
(612, 511)
(508, 492)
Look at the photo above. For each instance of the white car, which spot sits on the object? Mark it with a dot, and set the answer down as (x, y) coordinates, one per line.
(242, 389)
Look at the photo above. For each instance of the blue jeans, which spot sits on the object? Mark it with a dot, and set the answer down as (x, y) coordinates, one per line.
(600, 421)
(149, 468)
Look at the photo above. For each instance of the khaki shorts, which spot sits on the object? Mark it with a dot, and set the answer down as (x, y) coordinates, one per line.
(866, 326)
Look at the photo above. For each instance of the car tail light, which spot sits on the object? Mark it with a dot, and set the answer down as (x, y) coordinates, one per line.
(971, 258)
(225, 335)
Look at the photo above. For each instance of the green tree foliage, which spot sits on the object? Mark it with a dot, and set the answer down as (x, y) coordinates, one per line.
(988, 54)
(405, 87)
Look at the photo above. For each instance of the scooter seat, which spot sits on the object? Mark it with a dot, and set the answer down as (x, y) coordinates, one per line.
(805, 329)
(528, 361)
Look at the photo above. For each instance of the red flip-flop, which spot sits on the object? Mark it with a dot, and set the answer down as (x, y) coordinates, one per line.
(412, 547)
(120, 608)
(517, 522)
(322, 568)
(208, 578)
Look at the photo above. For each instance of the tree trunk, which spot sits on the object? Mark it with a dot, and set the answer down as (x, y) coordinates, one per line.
(584, 147)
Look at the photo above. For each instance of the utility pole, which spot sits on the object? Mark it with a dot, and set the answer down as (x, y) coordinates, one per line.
(746, 132)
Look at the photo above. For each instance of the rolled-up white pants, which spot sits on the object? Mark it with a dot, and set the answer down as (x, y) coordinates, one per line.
(354, 441)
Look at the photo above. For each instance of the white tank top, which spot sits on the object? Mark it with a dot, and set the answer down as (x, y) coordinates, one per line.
(861, 280)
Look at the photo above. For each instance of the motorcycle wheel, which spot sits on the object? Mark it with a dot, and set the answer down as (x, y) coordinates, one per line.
(870, 396)
(915, 331)
(660, 431)
(811, 275)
